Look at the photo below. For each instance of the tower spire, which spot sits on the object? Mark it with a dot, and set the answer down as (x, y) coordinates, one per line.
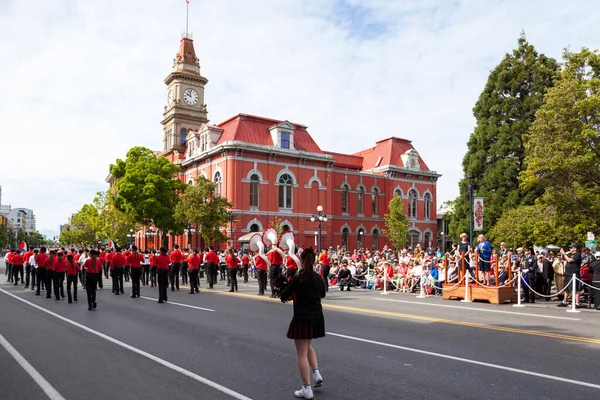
(187, 14)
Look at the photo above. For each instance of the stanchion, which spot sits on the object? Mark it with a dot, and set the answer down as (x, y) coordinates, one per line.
(519, 283)
(384, 284)
(573, 294)
(422, 294)
(467, 276)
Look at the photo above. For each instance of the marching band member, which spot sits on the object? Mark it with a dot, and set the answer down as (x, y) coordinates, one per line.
(93, 265)
(41, 260)
(72, 269)
(50, 267)
(162, 263)
(275, 261)
(117, 266)
(135, 261)
(176, 258)
(28, 267)
(60, 269)
(212, 260)
(17, 262)
(232, 263)
(31, 262)
(194, 266)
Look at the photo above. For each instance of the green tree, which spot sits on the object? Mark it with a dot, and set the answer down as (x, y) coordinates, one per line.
(82, 227)
(113, 224)
(7, 236)
(396, 223)
(563, 145)
(35, 239)
(147, 188)
(495, 155)
(201, 208)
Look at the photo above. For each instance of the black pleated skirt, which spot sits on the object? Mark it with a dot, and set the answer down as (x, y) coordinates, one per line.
(307, 327)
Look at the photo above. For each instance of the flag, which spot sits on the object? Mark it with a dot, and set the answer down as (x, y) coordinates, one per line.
(111, 244)
(187, 1)
(478, 213)
(23, 245)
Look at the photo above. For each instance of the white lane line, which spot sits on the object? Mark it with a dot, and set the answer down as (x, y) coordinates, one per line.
(142, 353)
(477, 309)
(179, 304)
(469, 361)
(39, 379)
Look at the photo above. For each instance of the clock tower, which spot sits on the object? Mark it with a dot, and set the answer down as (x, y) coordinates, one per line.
(185, 107)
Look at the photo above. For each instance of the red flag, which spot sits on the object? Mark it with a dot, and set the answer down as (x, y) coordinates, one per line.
(23, 245)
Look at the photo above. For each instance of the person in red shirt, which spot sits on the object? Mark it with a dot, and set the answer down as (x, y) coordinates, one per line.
(232, 265)
(325, 267)
(93, 265)
(50, 267)
(127, 267)
(153, 268)
(291, 266)
(60, 268)
(275, 261)
(194, 265)
(17, 261)
(261, 272)
(162, 265)
(135, 261)
(107, 260)
(72, 271)
(41, 261)
(212, 261)
(245, 266)
(117, 265)
(28, 267)
(8, 260)
(176, 258)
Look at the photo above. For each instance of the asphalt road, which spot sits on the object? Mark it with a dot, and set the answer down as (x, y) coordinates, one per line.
(217, 345)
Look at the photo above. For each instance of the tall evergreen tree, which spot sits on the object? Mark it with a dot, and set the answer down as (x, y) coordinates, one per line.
(495, 157)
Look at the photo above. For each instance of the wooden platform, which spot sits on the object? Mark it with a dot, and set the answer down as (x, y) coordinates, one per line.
(494, 295)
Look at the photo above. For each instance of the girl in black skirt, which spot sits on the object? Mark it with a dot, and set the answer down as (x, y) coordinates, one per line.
(306, 290)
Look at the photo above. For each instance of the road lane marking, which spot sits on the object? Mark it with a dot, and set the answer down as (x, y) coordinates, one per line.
(142, 353)
(476, 309)
(36, 376)
(179, 304)
(469, 361)
(372, 312)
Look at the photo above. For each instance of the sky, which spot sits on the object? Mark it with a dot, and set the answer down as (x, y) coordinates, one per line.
(81, 82)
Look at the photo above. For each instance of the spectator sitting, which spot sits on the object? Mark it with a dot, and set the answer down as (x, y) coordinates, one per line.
(344, 277)
(502, 275)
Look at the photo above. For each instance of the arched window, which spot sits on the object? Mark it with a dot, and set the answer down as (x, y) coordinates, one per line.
(285, 228)
(361, 240)
(218, 181)
(345, 232)
(285, 191)
(254, 182)
(427, 200)
(427, 238)
(398, 192)
(360, 198)
(345, 190)
(412, 203)
(254, 228)
(413, 238)
(191, 182)
(375, 245)
(374, 203)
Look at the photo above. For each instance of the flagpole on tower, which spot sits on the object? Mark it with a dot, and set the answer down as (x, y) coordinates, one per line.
(187, 13)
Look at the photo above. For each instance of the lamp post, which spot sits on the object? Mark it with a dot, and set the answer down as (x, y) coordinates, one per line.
(230, 214)
(130, 235)
(189, 230)
(470, 211)
(321, 218)
(360, 241)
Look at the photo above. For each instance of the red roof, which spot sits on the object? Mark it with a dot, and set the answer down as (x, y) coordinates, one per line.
(390, 150)
(255, 130)
(346, 160)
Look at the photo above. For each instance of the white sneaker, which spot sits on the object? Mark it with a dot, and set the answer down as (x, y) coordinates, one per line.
(318, 379)
(304, 393)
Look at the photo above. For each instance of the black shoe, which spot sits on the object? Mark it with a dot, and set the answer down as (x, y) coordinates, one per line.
(89, 308)
(172, 289)
(577, 306)
(70, 302)
(37, 294)
(190, 292)
(75, 300)
(231, 291)
(95, 305)
(561, 304)
(348, 290)
(122, 292)
(57, 299)
(597, 308)
(117, 293)
(197, 291)
(133, 296)
(26, 287)
(160, 302)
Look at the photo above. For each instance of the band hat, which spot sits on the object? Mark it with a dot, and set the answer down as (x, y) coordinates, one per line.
(575, 245)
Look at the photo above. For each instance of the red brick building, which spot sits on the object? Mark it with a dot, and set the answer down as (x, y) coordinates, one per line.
(271, 169)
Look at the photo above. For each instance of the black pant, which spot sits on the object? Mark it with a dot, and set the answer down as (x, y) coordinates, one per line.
(106, 269)
(174, 275)
(274, 272)
(194, 280)
(291, 272)
(325, 274)
(136, 274)
(29, 275)
(345, 282)
(90, 288)
(233, 279)
(222, 269)
(49, 280)
(72, 280)
(596, 293)
(527, 293)
(99, 279)
(9, 272)
(184, 273)
(153, 272)
(16, 269)
(262, 280)
(145, 274)
(59, 288)
(41, 279)
(245, 272)
(118, 280)
(126, 273)
(163, 282)
(211, 274)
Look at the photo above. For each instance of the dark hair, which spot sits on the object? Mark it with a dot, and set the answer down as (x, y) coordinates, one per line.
(176, 246)
(43, 249)
(231, 251)
(308, 259)
(163, 250)
(133, 248)
(211, 247)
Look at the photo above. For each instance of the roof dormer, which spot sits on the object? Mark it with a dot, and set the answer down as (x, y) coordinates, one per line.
(410, 159)
(283, 135)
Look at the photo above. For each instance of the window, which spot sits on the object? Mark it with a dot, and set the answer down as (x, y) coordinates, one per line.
(345, 190)
(204, 143)
(360, 197)
(412, 203)
(427, 238)
(427, 199)
(398, 192)
(413, 238)
(285, 228)
(191, 182)
(182, 135)
(361, 235)
(285, 191)
(374, 204)
(375, 245)
(254, 182)
(218, 180)
(345, 232)
(285, 140)
(254, 228)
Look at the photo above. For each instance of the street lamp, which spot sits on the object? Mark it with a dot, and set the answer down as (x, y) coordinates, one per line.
(130, 235)
(230, 214)
(189, 230)
(321, 218)
(470, 211)
(360, 240)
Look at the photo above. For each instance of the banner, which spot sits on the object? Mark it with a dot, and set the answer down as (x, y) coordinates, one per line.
(478, 214)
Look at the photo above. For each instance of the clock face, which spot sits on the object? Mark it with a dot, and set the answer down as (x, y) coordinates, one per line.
(190, 96)
(170, 97)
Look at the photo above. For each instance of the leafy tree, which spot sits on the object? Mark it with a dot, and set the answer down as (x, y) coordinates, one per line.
(396, 223)
(82, 227)
(113, 224)
(7, 236)
(563, 145)
(147, 188)
(35, 239)
(201, 208)
(495, 155)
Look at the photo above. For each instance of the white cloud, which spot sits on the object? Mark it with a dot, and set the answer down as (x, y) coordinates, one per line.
(82, 81)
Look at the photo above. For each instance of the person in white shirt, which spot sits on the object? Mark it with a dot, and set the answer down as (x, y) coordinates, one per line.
(31, 268)
(85, 255)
